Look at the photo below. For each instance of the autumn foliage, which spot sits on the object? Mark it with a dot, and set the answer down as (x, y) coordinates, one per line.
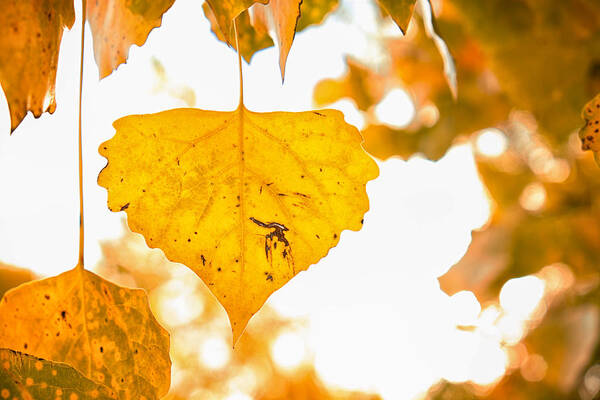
(247, 200)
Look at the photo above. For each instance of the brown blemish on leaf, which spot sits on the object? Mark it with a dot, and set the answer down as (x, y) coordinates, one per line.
(588, 134)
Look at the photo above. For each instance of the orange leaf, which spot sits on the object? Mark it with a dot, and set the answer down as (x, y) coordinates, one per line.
(118, 24)
(30, 34)
(226, 11)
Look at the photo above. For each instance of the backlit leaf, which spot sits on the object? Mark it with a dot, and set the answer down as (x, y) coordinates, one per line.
(118, 24)
(285, 14)
(360, 84)
(105, 331)
(440, 118)
(590, 139)
(246, 200)
(400, 10)
(30, 35)
(253, 25)
(313, 12)
(11, 277)
(252, 37)
(225, 11)
(25, 377)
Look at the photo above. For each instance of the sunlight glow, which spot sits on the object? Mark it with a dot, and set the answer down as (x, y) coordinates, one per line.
(533, 197)
(396, 109)
(428, 115)
(465, 307)
(534, 368)
(491, 142)
(288, 350)
(489, 364)
(557, 277)
(512, 328)
(238, 396)
(521, 296)
(215, 353)
(178, 303)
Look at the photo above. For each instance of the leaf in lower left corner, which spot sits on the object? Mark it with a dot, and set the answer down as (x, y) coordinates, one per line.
(24, 377)
(107, 332)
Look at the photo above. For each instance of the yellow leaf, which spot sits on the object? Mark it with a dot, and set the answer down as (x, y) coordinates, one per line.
(225, 11)
(400, 10)
(105, 331)
(118, 24)
(365, 87)
(313, 12)
(253, 24)
(252, 38)
(23, 376)
(590, 139)
(30, 34)
(246, 200)
(11, 276)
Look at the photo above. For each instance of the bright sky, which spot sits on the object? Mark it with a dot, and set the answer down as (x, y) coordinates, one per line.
(373, 302)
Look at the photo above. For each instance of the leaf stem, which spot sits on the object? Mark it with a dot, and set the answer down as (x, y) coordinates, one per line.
(237, 46)
(81, 230)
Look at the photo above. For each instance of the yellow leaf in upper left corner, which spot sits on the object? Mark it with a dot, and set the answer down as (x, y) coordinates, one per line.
(246, 200)
(30, 35)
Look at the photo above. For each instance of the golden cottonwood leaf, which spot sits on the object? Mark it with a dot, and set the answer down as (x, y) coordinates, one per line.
(590, 139)
(11, 277)
(246, 200)
(30, 34)
(359, 83)
(105, 331)
(25, 377)
(253, 24)
(118, 24)
(400, 10)
(285, 14)
(252, 37)
(313, 12)
(225, 11)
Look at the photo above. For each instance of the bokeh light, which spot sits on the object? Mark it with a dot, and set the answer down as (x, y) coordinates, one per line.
(288, 350)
